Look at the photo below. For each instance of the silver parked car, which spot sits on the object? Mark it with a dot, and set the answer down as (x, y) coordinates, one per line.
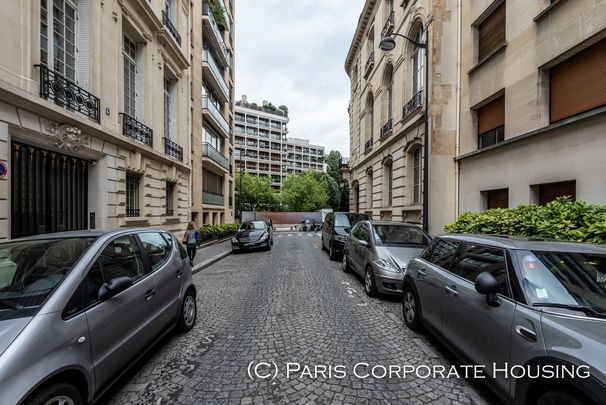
(379, 252)
(77, 308)
(531, 312)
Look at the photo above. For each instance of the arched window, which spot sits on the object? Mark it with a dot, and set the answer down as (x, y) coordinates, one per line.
(369, 188)
(415, 173)
(388, 83)
(356, 196)
(418, 62)
(388, 182)
(370, 123)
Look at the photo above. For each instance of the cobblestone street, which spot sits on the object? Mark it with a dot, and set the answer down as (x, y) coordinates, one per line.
(290, 305)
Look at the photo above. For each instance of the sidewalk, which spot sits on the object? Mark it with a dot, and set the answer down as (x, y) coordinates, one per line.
(205, 256)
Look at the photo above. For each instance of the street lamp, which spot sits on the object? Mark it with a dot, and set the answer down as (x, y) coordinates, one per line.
(388, 43)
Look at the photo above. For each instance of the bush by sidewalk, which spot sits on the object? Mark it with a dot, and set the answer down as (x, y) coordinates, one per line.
(561, 219)
(213, 232)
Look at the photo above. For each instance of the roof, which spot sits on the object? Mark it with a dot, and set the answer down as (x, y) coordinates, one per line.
(529, 243)
(365, 15)
(85, 233)
(393, 223)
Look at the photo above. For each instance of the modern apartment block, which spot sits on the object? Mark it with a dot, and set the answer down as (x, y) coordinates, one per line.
(213, 66)
(94, 115)
(263, 149)
(533, 102)
(390, 94)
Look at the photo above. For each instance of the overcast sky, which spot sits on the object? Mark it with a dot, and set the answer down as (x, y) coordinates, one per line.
(292, 52)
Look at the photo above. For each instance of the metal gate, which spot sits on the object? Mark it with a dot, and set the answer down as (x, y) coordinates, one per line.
(49, 191)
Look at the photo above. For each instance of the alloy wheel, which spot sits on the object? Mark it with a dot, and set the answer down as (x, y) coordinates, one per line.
(368, 281)
(189, 311)
(344, 263)
(409, 307)
(60, 400)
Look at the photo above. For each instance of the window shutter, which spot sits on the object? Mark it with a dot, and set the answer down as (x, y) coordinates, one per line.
(491, 33)
(491, 116)
(578, 84)
(83, 44)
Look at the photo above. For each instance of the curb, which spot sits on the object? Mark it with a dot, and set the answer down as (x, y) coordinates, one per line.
(214, 242)
(201, 266)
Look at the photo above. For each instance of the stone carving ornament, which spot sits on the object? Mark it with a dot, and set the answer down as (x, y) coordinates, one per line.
(67, 137)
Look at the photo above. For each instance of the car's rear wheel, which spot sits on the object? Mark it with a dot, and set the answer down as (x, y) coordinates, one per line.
(345, 262)
(57, 394)
(332, 252)
(370, 285)
(560, 397)
(187, 316)
(411, 308)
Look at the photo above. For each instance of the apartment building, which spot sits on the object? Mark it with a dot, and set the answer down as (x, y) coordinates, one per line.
(533, 102)
(213, 65)
(401, 160)
(262, 146)
(94, 115)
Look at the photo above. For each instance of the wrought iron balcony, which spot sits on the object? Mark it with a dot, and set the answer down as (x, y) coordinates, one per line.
(136, 130)
(173, 149)
(415, 102)
(368, 145)
(133, 212)
(387, 129)
(370, 63)
(210, 152)
(171, 28)
(389, 24)
(68, 94)
(212, 198)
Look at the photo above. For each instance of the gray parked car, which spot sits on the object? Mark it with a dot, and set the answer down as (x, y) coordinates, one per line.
(523, 307)
(379, 252)
(77, 308)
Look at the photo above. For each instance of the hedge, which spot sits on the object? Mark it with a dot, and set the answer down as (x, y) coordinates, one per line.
(561, 219)
(213, 232)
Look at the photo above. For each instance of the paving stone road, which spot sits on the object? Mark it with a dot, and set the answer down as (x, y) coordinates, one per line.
(290, 305)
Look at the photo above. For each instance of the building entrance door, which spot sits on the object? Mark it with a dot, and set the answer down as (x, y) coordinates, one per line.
(49, 191)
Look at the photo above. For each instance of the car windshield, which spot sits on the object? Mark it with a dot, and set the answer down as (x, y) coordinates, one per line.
(30, 270)
(254, 225)
(399, 235)
(349, 219)
(566, 279)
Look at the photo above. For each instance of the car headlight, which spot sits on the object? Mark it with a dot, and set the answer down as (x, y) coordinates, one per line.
(265, 236)
(386, 265)
(234, 240)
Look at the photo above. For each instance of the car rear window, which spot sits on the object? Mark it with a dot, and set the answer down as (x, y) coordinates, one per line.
(349, 219)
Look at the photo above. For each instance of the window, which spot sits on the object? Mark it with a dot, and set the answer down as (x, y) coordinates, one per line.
(213, 139)
(132, 194)
(362, 233)
(497, 198)
(491, 123)
(442, 252)
(369, 117)
(121, 258)
(578, 84)
(158, 250)
(478, 259)
(416, 175)
(58, 36)
(388, 176)
(491, 33)
(418, 61)
(369, 189)
(168, 110)
(550, 191)
(212, 183)
(129, 53)
(170, 198)
(389, 93)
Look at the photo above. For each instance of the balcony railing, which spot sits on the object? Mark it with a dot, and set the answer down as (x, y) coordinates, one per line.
(67, 94)
(133, 212)
(389, 24)
(368, 145)
(216, 31)
(415, 102)
(370, 63)
(171, 28)
(212, 198)
(344, 162)
(207, 57)
(214, 111)
(210, 152)
(386, 130)
(170, 213)
(173, 149)
(136, 130)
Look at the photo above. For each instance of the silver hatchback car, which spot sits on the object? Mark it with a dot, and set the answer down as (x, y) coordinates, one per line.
(379, 252)
(77, 308)
(531, 313)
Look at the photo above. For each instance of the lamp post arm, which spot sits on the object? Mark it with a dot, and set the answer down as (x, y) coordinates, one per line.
(415, 43)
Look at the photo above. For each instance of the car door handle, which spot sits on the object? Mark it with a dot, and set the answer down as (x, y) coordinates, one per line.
(452, 290)
(421, 273)
(149, 294)
(526, 333)
(179, 273)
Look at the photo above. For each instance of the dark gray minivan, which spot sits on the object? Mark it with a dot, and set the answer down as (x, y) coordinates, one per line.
(531, 312)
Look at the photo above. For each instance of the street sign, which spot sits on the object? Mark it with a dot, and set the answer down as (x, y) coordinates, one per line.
(3, 170)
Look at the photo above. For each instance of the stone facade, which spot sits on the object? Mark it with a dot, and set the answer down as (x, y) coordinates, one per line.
(99, 60)
(386, 137)
(535, 151)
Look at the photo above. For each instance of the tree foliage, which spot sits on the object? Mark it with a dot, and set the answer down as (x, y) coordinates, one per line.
(218, 13)
(561, 219)
(253, 191)
(304, 193)
(332, 188)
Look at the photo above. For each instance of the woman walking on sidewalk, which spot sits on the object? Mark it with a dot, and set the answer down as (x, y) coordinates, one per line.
(189, 239)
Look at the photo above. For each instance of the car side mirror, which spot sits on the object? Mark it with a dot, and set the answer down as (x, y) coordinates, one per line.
(363, 243)
(486, 284)
(113, 287)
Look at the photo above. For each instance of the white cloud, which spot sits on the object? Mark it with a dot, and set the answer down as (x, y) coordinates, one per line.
(293, 52)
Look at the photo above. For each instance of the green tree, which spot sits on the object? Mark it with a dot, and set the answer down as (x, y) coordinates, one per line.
(333, 161)
(304, 193)
(253, 191)
(332, 188)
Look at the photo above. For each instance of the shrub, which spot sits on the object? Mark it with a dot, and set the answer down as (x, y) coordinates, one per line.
(213, 232)
(561, 219)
